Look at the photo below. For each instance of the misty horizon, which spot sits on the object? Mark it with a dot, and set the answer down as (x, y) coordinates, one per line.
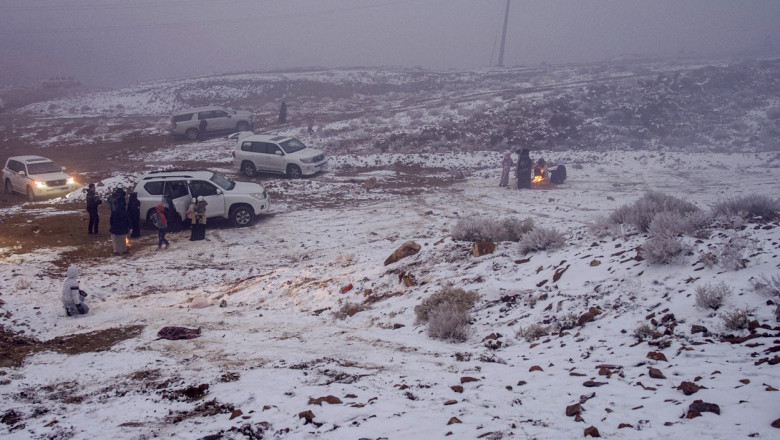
(114, 43)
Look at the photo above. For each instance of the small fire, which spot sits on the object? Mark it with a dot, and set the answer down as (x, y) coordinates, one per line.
(538, 178)
(127, 241)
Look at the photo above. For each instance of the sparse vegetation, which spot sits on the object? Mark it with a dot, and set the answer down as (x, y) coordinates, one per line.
(349, 309)
(767, 285)
(540, 239)
(664, 250)
(479, 228)
(737, 319)
(532, 332)
(642, 212)
(448, 322)
(748, 207)
(732, 254)
(712, 296)
(644, 332)
(461, 299)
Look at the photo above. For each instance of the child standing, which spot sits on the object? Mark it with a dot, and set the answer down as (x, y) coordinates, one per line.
(161, 223)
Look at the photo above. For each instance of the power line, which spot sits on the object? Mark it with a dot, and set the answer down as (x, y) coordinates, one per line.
(111, 6)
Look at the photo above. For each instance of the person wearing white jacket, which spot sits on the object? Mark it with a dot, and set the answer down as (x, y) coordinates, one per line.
(72, 296)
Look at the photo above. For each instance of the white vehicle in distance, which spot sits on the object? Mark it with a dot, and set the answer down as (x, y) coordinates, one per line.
(218, 120)
(238, 202)
(277, 154)
(36, 176)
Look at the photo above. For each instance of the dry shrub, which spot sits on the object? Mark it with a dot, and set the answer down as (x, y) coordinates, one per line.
(670, 224)
(487, 229)
(461, 299)
(641, 213)
(448, 322)
(644, 331)
(663, 250)
(737, 319)
(532, 332)
(749, 207)
(711, 296)
(769, 286)
(540, 239)
(732, 254)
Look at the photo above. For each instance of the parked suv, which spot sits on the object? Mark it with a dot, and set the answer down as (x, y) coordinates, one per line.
(218, 120)
(277, 154)
(36, 176)
(238, 202)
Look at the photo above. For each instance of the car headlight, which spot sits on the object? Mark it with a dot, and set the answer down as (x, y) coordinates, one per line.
(71, 180)
(308, 160)
(260, 196)
(39, 184)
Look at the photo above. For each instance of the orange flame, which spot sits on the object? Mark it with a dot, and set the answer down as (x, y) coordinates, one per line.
(127, 241)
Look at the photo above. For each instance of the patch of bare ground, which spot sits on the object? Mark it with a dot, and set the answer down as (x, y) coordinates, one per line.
(15, 347)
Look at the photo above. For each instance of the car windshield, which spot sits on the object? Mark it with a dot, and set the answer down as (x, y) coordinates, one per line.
(43, 168)
(292, 146)
(223, 182)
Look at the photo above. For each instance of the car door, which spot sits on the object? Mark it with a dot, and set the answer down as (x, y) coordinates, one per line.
(179, 194)
(276, 162)
(18, 181)
(222, 120)
(214, 197)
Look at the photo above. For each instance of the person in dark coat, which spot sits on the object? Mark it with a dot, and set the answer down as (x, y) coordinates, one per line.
(539, 169)
(524, 166)
(134, 214)
(558, 175)
(120, 223)
(202, 130)
(506, 166)
(283, 113)
(93, 201)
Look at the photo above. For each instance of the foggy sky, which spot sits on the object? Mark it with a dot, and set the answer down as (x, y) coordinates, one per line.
(117, 42)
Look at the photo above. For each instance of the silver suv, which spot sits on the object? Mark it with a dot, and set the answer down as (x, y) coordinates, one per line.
(36, 176)
(218, 120)
(277, 154)
(238, 202)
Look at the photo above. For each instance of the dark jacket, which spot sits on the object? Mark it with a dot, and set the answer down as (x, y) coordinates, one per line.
(93, 200)
(120, 222)
(134, 208)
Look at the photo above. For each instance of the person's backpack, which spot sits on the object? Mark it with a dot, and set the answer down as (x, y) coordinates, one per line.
(159, 220)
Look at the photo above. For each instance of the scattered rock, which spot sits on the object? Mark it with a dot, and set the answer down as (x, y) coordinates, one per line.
(657, 356)
(333, 400)
(776, 424)
(481, 248)
(535, 368)
(457, 388)
(451, 402)
(466, 379)
(595, 263)
(223, 303)
(236, 413)
(592, 384)
(573, 410)
(689, 388)
(625, 425)
(698, 329)
(406, 250)
(453, 420)
(655, 373)
(592, 432)
(307, 415)
(588, 316)
(699, 406)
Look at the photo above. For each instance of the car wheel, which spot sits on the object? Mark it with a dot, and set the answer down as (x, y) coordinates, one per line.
(191, 134)
(294, 172)
(9, 187)
(242, 126)
(30, 194)
(248, 168)
(241, 216)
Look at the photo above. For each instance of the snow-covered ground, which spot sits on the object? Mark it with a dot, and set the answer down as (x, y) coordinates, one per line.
(277, 343)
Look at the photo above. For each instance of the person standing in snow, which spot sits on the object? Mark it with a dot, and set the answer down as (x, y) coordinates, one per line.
(283, 113)
(310, 124)
(506, 166)
(72, 295)
(524, 166)
(161, 223)
(198, 208)
(120, 223)
(202, 130)
(134, 214)
(93, 201)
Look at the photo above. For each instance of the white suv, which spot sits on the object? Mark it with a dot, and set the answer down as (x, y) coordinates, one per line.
(277, 154)
(36, 176)
(238, 202)
(218, 120)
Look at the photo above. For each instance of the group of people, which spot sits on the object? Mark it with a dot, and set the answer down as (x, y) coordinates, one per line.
(526, 170)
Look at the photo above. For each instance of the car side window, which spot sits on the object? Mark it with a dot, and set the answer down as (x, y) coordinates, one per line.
(176, 189)
(271, 148)
(201, 188)
(204, 115)
(154, 188)
(14, 166)
(182, 118)
(219, 114)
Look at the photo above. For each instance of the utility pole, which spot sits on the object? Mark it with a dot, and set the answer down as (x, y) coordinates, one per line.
(503, 37)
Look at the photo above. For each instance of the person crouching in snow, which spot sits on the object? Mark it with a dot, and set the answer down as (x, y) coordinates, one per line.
(72, 296)
(161, 223)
